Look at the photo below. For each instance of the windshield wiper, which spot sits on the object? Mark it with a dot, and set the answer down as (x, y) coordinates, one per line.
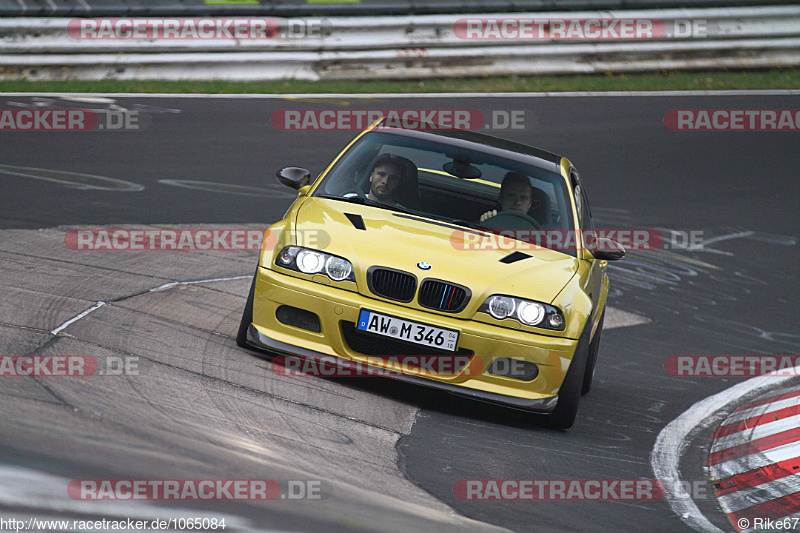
(366, 201)
(361, 200)
(466, 224)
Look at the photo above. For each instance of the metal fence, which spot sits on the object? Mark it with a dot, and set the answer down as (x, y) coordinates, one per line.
(301, 8)
(410, 47)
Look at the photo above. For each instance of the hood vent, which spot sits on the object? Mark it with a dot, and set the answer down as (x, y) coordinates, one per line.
(356, 220)
(514, 257)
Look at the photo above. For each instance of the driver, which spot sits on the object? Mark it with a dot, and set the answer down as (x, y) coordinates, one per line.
(386, 176)
(516, 194)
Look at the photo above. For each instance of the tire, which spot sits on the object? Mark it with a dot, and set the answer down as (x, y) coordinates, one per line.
(591, 362)
(247, 315)
(569, 395)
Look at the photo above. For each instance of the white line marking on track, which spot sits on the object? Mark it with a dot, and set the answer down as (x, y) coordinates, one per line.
(63, 326)
(271, 191)
(173, 283)
(725, 238)
(156, 289)
(674, 439)
(74, 180)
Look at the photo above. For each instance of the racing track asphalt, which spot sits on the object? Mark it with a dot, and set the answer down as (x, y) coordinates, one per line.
(739, 296)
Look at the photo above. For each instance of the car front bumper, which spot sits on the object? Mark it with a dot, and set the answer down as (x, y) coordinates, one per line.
(338, 309)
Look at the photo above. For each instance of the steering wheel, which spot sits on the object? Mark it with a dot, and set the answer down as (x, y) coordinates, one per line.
(511, 220)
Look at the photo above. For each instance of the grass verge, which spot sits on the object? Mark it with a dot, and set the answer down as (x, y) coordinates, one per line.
(779, 78)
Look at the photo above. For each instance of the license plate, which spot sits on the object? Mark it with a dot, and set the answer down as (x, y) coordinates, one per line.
(406, 330)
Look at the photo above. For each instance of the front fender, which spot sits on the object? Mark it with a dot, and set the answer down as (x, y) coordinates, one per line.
(576, 305)
(280, 234)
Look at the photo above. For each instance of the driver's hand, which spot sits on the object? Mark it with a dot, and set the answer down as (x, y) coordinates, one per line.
(488, 214)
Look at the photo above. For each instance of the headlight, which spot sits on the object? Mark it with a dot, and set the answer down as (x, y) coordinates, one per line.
(314, 262)
(530, 313)
(287, 256)
(310, 262)
(556, 321)
(501, 307)
(526, 312)
(338, 268)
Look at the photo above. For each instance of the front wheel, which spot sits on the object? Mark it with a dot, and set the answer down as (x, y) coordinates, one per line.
(569, 395)
(247, 315)
(568, 399)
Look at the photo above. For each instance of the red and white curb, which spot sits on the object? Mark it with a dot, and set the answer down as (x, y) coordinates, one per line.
(677, 437)
(754, 462)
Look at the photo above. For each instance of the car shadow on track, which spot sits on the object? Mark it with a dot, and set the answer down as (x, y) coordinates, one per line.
(429, 399)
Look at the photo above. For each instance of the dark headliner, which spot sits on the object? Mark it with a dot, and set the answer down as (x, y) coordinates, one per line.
(486, 143)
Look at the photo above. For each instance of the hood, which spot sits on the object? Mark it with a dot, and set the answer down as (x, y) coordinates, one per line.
(399, 241)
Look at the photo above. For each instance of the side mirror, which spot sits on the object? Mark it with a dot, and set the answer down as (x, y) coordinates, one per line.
(608, 250)
(294, 177)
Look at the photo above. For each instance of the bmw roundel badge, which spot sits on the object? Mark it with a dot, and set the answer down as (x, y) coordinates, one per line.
(422, 265)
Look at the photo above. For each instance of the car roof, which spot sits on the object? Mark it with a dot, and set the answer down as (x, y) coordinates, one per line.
(471, 140)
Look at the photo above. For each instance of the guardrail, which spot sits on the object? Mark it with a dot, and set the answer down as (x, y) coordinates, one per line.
(405, 47)
(305, 8)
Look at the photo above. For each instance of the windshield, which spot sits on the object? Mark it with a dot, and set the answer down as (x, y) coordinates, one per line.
(466, 187)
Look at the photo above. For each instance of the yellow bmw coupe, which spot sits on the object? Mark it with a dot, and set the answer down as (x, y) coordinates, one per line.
(447, 245)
